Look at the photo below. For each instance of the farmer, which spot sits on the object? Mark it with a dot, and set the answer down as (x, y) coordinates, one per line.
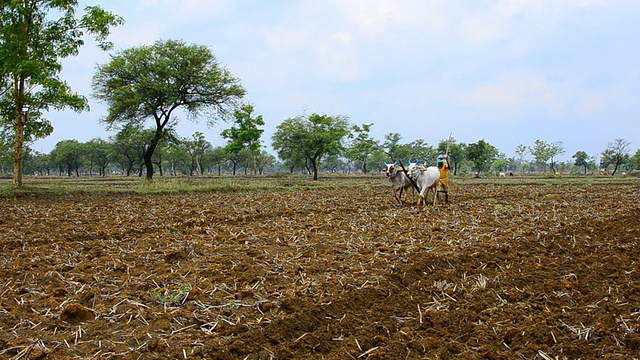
(443, 184)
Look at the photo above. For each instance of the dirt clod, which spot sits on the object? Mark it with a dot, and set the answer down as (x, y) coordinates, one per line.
(75, 314)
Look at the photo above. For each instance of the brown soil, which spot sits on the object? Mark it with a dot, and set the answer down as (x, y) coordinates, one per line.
(502, 272)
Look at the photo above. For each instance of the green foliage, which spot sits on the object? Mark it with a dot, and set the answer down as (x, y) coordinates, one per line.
(68, 154)
(150, 82)
(541, 152)
(481, 154)
(99, 153)
(521, 151)
(196, 149)
(582, 159)
(391, 146)
(245, 133)
(616, 154)
(544, 152)
(172, 298)
(362, 145)
(419, 150)
(635, 160)
(310, 138)
(501, 163)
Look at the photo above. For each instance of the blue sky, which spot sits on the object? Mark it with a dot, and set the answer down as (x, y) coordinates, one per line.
(508, 72)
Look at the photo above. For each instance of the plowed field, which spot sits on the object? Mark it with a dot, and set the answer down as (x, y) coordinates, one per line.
(505, 271)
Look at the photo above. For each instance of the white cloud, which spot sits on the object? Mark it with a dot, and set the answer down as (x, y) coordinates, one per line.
(516, 94)
(376, 16)
(506, 20)
(188, 9)
(339, 58)
(285, 39)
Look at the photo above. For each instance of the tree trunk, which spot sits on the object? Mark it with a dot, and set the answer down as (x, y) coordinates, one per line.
(19, 131)
(255, 163)
(314, 166)
(147, 157)
(17, 152)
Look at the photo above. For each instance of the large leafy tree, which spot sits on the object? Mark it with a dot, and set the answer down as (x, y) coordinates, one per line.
(35, 35)
(616, 154)
(152, 82)
(245, 134)
(481, 154)
(314, 136)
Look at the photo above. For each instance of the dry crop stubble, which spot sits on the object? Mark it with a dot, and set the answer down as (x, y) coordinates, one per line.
(504, 271)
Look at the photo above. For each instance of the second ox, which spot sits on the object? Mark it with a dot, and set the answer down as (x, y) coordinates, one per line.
(426, 179)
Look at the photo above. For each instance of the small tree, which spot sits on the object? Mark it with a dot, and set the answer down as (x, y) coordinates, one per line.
(215, 158)
(245, 134)
(69, 155)
(582, 159)
(98, 153)
(196, 149)
(362, 145)
(541, 152)
(616, 154)
(555, 149)
(481, 154)
(265, 160)
(151, 82)
(521, 151)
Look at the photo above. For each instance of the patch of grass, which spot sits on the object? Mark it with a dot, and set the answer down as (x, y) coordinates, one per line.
(60, 185)
(172, 298)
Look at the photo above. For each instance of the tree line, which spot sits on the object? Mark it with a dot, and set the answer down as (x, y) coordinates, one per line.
(304, 144)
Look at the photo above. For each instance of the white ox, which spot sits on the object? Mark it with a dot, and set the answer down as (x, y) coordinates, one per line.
(399, 181)
(426, 179)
